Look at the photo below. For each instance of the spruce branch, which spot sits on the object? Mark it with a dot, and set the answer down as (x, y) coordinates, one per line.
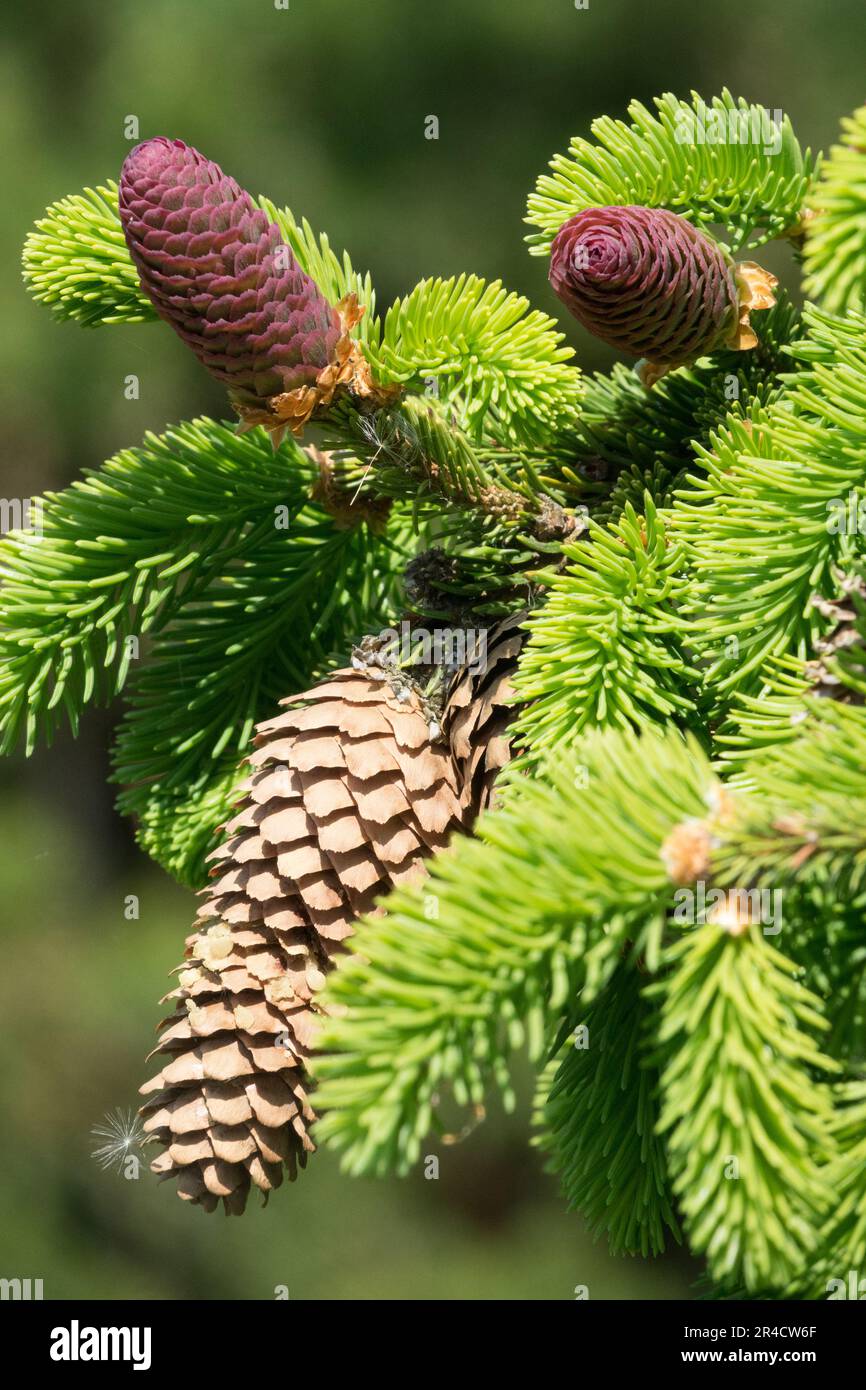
(688, 563)
(501, 366)
(748, 1128)
(607, 646)
(754, 185)
(118, 554)
(600, 1124)
(840, 1248)
(844, 1237)
(754, 723)
(419, 452)
(75, 261)
(804, 819)
(835, 242)
(832, 959)
(487, 955)
(762, 528)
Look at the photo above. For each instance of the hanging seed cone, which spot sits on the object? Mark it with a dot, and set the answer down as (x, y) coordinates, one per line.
(348, 794)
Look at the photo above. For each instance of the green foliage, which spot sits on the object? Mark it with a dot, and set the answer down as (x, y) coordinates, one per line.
(835, 250)
(759, 721)
(754, 187)
(606, 647)
(762, 527)
(682, 553)
(841, 1244)
(844, 1239)
(76, 262)
(275, 616)
(601, 1115)
(748, 1129)
(118, 555)
(501, 366)
(833, 959)
(486, 955)
(756, 531)
(806, 821)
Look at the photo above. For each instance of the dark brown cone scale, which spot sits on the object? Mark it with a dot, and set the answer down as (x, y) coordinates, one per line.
(347, 795)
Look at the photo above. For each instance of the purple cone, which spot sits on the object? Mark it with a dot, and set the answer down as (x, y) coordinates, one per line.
(219, 272)
(645, 281)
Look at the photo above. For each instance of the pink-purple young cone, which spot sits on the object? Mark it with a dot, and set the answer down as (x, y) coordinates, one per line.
(645, 281)
(219, 272)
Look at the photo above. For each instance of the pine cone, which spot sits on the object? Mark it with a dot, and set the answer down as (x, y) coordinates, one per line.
(219, 272)
(347, 796)
(840, 650)
(645, 281)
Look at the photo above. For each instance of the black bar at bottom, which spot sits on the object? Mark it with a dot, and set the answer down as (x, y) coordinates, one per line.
(244, 1339)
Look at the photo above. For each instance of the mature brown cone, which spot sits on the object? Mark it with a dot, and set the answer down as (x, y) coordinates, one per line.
(348, 794)
(843, 637)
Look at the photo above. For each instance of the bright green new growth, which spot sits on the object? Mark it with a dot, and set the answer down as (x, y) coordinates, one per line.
(835, 253)
(691, 693)
(606, 647)
(754, 184)
(486, 353)
(748, 1129)
(75, 261)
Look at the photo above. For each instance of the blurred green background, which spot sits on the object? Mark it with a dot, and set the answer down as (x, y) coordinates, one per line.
(322, 105)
